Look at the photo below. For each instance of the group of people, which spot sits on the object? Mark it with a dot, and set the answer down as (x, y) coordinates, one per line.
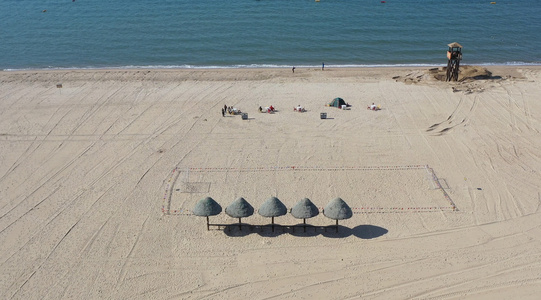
(230, 110)
(234, 111)
(269, 109)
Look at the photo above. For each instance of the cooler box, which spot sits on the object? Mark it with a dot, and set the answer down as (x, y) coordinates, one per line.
(323, 115)
(244, 116)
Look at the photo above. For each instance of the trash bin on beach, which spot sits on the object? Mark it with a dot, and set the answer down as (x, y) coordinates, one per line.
(323, 115)
(244, 116)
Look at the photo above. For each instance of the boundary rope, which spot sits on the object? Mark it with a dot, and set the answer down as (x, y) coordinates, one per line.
(166, 205)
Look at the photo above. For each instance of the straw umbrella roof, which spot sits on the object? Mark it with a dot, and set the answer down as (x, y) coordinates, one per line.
(207, 207)
(304, 209)
(273, 207)
(337, 209)
(240, 208)
(455, 45)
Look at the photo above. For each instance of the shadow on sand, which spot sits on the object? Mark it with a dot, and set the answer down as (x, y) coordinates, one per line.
(368, 231)
(362, 231)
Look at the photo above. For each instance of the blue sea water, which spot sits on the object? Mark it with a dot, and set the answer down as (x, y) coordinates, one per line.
(264, 33)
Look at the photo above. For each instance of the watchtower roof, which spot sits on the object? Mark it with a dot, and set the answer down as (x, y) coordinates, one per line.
(455, 45)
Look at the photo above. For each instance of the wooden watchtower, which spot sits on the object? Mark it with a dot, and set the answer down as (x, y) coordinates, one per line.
(454, 55)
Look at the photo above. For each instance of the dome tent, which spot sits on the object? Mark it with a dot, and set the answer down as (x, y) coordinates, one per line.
(337, 102)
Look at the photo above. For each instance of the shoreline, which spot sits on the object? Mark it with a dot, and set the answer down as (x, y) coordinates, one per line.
(271, 70)
(264, 67)
(416, 75)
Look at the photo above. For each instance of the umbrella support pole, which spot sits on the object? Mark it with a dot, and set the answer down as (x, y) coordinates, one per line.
(336, 225)
(240, 225)
(272, 224)
(304, 222)
(208, 226)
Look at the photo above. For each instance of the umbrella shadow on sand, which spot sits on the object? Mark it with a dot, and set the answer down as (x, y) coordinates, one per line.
(368, 231)
(299, 230)
(362, 231)
(365, 232)
(330, 232)
(233, 230)
(267, 231)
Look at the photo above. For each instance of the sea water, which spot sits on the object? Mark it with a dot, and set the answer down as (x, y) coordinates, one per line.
(265, 33)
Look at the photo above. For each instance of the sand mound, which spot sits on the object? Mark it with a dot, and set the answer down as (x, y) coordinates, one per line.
(471, 79)
(467, 74)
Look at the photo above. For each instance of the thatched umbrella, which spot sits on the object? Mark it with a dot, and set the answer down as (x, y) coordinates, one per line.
(337, 209)
(304, 209)
(240, 208)
(273, 207)
(207, 207)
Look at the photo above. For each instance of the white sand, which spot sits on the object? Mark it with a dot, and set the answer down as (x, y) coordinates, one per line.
(87, 208)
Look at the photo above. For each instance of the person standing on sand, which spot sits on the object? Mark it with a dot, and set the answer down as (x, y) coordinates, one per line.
(223, 112)
(293, 69)
(322, 66)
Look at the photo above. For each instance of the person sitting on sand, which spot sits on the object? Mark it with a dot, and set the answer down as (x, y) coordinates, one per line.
(271, 108)
(372, 107)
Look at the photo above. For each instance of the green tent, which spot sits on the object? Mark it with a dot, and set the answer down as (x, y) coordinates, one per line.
(337, 102)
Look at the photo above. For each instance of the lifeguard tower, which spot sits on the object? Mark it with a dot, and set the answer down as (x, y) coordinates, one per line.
(454, 55)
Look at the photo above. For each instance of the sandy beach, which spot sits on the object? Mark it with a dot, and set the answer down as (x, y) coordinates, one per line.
(98, 178)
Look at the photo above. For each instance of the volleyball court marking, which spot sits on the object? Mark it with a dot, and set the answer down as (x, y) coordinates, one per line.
(373, 189)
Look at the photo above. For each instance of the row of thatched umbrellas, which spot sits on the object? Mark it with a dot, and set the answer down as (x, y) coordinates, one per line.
(337, 209)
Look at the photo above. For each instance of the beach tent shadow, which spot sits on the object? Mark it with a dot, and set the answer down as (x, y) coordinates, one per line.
(368, 231)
